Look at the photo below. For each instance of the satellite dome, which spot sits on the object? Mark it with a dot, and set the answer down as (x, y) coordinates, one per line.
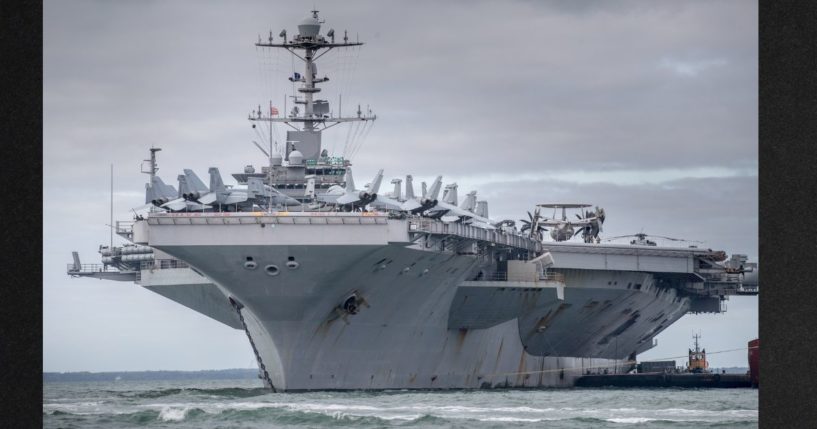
(296, 157)
(277, 159)
(249, 169)
(310, 26)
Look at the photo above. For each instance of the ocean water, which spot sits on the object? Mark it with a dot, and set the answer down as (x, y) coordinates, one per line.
(246, 404)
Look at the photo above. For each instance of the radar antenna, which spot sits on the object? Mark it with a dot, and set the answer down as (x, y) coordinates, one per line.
(308, 45)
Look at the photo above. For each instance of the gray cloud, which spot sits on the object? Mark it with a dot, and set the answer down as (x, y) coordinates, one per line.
(648, 109)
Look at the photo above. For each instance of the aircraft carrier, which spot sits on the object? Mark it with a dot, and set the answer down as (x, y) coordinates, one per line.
(339, 287)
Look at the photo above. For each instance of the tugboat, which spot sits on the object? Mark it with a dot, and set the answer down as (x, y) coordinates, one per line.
(661, 374)
(697, 359)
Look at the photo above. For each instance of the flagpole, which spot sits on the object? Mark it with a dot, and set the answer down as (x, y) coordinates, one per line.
(111, 244)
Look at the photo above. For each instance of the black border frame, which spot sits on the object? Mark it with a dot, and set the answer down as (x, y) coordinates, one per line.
(788, 226)
(21, 295)
(788, 220)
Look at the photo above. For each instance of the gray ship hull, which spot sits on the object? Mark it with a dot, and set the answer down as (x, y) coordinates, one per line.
(422, 322)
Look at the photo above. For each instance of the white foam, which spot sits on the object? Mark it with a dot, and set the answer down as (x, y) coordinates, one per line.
(510, 419)
(173, 414)
(338, 415)
(630, 420)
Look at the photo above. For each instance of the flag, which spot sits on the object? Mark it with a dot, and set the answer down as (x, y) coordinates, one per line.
(273, 111)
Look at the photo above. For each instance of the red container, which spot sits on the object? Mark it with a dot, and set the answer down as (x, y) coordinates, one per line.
(754, 359)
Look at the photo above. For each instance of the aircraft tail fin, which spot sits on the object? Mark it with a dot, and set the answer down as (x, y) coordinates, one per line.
(163, 190)
(255, 187)
(434, 192)
(150, 193)
(470, 201)
(450, 194)
(350, 182)
(378, 178)
(216, 184)
(194, 182)
(409, 187)
(183, 186)
(482, 209)
(397, 193)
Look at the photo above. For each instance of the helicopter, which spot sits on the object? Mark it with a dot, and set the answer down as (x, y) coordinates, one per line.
(642, 240)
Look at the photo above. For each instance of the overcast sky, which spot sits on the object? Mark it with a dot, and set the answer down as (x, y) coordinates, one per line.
(645, 108)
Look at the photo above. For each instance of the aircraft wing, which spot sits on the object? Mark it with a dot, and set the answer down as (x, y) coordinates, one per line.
(234, 198)
(194, 206)
(208, 198)
(330, 199)
(409, 205)
(181, 204)
(176, 205)
(453, 210)
(287, 200)
(387, 203)
(347, 198)
(280, 197)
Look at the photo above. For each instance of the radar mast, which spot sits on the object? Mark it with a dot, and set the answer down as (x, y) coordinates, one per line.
(308, 45)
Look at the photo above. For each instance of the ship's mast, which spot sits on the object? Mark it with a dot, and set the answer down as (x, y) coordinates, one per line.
(308, 46)
(153, 167)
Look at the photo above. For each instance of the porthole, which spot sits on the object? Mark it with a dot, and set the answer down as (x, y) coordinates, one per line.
(250, 265)
(272, 270)
(292, 265)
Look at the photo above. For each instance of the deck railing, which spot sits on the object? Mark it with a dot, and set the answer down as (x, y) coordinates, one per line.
(506, 277)
(162, 264)
(86, 268)
(432, 226)
(124, 227)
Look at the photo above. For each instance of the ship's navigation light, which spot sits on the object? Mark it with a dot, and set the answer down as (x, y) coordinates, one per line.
(270, 36)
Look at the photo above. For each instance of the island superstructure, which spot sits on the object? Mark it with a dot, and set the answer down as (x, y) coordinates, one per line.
(340, 287)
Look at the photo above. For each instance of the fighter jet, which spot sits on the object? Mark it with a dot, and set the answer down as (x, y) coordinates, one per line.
(447, 210)
(394, 200)
(427, 200)
(254, 192)
(183, 202)
(350, 197)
